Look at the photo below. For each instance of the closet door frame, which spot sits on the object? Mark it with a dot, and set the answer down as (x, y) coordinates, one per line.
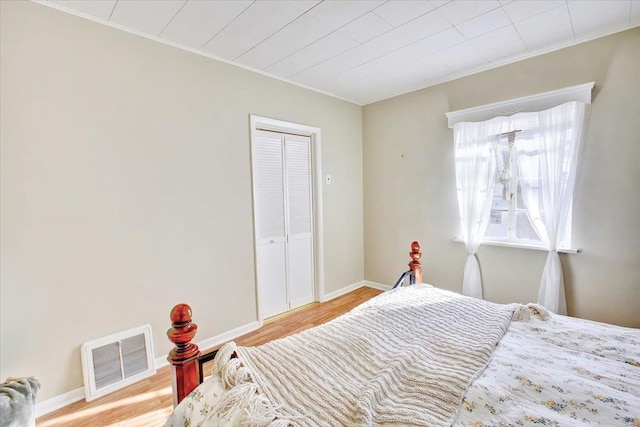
(265, 123)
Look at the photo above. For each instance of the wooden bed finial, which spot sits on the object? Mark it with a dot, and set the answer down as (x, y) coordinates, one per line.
(184, 357)
(415, 264)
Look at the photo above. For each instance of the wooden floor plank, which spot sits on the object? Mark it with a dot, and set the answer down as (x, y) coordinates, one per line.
(148, 402)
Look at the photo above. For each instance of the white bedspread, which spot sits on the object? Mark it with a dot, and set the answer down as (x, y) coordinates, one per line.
(559, 372)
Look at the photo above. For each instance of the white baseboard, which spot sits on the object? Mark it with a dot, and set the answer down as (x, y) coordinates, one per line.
(59, 401)
(340, 292)
(65, 399)
(229, 335)
(208, 343)
(376, 285)
(353, 287)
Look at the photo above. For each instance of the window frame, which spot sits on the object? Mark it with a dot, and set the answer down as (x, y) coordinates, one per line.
(512, 210)
(537, 102)
(512, 239)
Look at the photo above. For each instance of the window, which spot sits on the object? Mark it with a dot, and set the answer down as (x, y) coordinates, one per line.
(509, 221)
(515, 175)
(510, 212)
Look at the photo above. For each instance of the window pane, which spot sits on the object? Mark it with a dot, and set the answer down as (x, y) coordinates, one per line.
(519, 199)
(499, 217)
(508, 218)
(498, 203)
(498, 224)
(524, 229)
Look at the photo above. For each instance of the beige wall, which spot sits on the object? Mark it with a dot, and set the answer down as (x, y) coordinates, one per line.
(409, 182)
(126, 188)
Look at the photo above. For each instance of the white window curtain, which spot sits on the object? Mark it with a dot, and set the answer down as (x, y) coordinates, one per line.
(547, 169)
(475, 165)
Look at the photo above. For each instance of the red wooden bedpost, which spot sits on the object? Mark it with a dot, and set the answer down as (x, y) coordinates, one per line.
(185, 374)
(415, 264)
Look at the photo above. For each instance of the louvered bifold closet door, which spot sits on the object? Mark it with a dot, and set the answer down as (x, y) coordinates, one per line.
(268, 169)
(299, 219)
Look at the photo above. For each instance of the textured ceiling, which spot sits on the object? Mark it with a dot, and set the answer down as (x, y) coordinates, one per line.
(364, 51)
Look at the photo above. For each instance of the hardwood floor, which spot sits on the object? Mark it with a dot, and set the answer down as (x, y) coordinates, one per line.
(148, 402)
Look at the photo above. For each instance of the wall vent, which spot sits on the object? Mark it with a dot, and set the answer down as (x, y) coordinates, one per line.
(116, 361)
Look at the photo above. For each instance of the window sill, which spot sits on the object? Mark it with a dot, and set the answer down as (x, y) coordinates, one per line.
(523, 246)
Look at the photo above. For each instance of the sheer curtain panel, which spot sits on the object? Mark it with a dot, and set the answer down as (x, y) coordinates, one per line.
(475, 165)
(547, 170)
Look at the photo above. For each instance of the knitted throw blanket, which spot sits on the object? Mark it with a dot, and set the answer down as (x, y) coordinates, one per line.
(404, 358)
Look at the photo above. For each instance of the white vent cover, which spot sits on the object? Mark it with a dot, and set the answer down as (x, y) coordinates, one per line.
(116, 361)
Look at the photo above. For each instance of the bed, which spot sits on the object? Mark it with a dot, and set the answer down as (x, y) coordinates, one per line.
(416, 355)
